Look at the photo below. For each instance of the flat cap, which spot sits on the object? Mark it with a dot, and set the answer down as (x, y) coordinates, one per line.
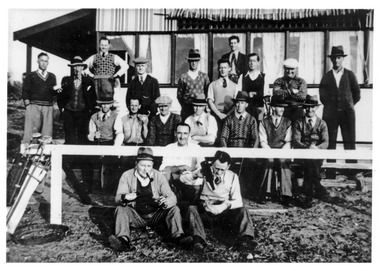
(163, 100)
(291, 63)
(140, 60)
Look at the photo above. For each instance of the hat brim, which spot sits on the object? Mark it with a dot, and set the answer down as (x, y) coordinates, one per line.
(337, 55)
(310, 105)
(239, 100)
(77, 64)
(278, 104)
(105, 102)
(193, 58)
(200, 103)
(144, 157)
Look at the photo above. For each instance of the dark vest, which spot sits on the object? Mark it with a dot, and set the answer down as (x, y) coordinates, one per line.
(105, 128)
(275, 135)
(257, 86)
(144, 202)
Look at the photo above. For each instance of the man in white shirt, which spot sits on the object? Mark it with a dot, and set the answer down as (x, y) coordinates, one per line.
(203, 126)
(102, 66)
(182, 171)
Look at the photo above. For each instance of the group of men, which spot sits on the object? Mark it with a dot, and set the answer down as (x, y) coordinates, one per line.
(227, 112)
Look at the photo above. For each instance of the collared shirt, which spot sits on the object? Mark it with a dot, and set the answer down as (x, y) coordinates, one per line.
(233, 67)
(118, 61)
(164, 119)
(77, 81)
(263, 133)
(252, 75)
(143, 180)
(338, 75)
(227, 190)
(42, 73)
(142, 77)
(93, 128)
(244, 114)
(313, 120)
(209, 125)
(193, 74)
(222, 97)
(132, 129)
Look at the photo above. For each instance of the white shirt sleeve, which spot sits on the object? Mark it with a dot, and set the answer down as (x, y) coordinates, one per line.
(239, 86)
(236, 199)
(210, 93)
(118, 127)
(90, 62)
(263, 135)
(91, 130)
(122, 64)
(212, 126)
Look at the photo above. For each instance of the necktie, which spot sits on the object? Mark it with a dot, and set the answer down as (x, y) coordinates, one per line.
(233, 59)
(310, 123)
(198, 122)
(241, 117)
(104, 117)
(224, 82)
(275, 122)
(103, 54)
(141, 80)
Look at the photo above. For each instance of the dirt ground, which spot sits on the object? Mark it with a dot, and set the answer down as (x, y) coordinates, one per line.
(336, 231)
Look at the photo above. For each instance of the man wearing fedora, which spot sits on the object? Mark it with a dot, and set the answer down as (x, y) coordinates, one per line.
(292, 88)
(203, 126)
(162, 127)
(106, 68)
(339, 92)
(275, 132)
(76, 102)
(238, 61)
(240, 128)
(103, 131)
(144, 199)
(144, 87)
(310, 132)
(191, 83)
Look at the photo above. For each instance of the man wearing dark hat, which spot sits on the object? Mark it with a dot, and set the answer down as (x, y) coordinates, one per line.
(191, 83)
(162, 126)
(339, 92)
(275, 132)
(310, 132)
(238, 61)
(292, 88)
(240, 128)
(76, 102)
(106, 68)
(103, 131)
(203, 125)
(144, 87)
(144, 198)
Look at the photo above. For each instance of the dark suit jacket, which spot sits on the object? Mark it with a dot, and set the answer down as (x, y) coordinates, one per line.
(342, 98)
(88, 88)
(147, 93)
(241, 63)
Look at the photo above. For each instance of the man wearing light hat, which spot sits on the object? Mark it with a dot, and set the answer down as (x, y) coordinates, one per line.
(76, 102)
(144, 87)
(191, 83)
(162, 126)
(144, 198)
(292, 88)
(339, 92)
(203, 125)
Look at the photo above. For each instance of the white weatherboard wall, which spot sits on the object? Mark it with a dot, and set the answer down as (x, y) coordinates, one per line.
(363, 109)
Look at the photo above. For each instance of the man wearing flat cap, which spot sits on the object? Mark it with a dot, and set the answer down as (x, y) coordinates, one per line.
(144, 87)
(339, 92)
(292, 88)
(162, 126)
(144, 198)
(191, 83)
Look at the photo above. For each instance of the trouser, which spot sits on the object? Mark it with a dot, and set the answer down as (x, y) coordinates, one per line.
(38, 119)
(164, 220)
(186, 194)
(76, 126)
(104, 86)
(238, 220)
(284, 176)
(347, 121)
(311, 178)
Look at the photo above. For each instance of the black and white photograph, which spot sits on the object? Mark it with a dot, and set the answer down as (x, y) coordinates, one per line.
(157, 133)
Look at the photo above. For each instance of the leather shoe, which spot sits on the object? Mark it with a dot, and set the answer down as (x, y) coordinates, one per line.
(119, 243)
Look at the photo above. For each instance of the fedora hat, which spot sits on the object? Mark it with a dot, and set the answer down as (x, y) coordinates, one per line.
(105, 100)
(241, 96)
(166, 100)
(144, 153)
(194, 55)
(337, 51)
(278, 101)
(77, 61)
(141, 60)
(311, 100)
(200, 99)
